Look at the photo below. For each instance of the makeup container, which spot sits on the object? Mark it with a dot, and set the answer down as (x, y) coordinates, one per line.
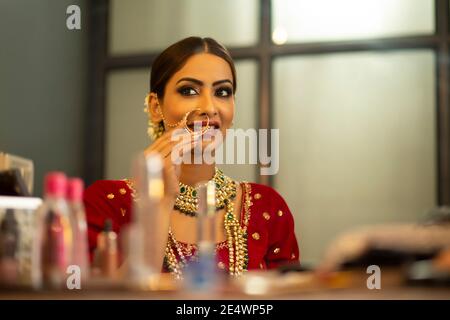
(9, 243)
(106, 254)
(80, 257)
(145, 239)
(56, 239)
(202, 275)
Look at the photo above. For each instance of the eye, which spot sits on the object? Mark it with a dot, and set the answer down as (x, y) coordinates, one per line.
(187, 91)
(224, 92)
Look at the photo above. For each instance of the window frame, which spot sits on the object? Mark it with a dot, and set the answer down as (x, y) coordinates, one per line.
(264, 52)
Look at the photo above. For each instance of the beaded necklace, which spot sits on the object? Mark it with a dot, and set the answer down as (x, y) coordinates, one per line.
(187, 200)
(235, 234)
(237, 247)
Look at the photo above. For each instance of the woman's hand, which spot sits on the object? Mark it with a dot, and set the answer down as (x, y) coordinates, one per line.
(164, 146)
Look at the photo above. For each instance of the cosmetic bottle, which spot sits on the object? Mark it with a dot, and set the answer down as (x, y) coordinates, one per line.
(145, 246)
(106, 253)
(79, 227)
(202, 275)
(56, 238)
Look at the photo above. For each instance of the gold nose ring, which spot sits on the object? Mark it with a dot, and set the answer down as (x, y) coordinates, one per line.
(189, 129)
(184, 120)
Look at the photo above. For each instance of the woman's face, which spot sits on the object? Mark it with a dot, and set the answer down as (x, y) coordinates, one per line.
(205, 83)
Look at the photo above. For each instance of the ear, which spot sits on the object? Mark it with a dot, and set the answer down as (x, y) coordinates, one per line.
(154, 109)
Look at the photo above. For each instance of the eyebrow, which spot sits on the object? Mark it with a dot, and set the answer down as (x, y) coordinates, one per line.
(201, 83)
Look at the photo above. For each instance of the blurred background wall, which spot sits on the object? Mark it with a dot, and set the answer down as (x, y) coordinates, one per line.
(43, 68)
(358, 89)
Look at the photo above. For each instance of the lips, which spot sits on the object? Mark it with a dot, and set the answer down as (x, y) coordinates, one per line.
(212, 124)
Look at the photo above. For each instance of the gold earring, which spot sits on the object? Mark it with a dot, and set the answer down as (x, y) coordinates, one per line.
(155, 129)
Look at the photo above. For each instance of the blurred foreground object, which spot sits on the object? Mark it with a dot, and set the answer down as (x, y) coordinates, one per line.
(18, 258)
(394, 245)
(54, 229)
(80, 250)
(144, 235)
(269, 283)
(106, 260)
(23, 165)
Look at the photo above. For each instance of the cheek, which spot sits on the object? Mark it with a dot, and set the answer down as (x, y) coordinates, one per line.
(175, 108)
(227, 114)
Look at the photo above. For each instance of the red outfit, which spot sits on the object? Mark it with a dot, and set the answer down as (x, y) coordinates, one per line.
(271, 240)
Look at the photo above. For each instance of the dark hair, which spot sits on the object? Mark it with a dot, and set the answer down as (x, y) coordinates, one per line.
(174, 57)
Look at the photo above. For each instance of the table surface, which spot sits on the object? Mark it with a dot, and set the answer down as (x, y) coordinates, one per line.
(296, 286)
(401, 293)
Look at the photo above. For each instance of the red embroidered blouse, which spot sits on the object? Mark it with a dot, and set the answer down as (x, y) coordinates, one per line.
(271, 240)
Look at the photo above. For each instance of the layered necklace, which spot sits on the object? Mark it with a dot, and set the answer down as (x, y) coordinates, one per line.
(236, 242)
(187, 203)
(187, 200)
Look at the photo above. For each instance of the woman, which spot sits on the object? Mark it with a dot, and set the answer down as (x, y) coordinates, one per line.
(255, 228)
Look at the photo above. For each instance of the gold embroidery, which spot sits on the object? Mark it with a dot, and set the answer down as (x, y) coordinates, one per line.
(123, 211)
(257, 196)
(280, 213)
(110, 196)
(292, 256)
(256, 236)
(266, 215)
(221, 265)
(130, 185)
(261, 266)
(276, 250)
(122, 191)
(222, 245)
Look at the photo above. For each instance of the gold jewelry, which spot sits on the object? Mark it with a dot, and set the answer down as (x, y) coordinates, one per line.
(170, 125)
(183, 120)
(173, 125)
(237, 247)
(155, 129)
(187, 200)
(192, 131)
(237, 251)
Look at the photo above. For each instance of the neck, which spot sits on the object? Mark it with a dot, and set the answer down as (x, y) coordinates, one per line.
(191, 174)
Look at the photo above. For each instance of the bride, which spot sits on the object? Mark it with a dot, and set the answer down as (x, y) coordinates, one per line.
(255, 228)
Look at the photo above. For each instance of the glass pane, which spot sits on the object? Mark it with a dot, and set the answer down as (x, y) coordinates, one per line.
(151, 25)
(357, 140)
(330, 20)
(245, 116)
(126, 123)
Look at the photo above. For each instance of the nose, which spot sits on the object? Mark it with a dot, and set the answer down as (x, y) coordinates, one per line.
(207, 106)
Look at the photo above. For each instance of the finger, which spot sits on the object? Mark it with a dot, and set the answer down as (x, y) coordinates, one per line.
(164, 147)
(172, 138)
(180, 150)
